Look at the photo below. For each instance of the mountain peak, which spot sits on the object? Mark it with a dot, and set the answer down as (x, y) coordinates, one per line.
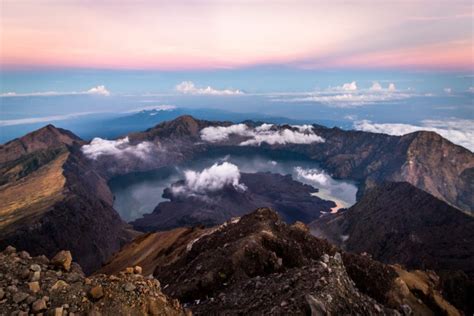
(46, 138)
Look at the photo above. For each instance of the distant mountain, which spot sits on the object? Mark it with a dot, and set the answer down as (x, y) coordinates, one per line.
(52, 199)
(147, 118)
(292, 200)
(424, 159)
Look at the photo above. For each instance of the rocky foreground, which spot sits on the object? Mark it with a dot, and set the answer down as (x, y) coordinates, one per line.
(37, 285)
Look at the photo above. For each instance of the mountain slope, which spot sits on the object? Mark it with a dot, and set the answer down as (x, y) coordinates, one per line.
(398, 223)
(259, 265)
(54, 200)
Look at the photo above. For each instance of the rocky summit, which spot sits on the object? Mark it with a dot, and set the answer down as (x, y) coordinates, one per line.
(36, 285)
(258, 265)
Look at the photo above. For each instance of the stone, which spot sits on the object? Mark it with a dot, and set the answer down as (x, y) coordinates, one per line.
(96, 292)
(73, 277)
(19, 297)
(39, 305)
(34, 286)
(129, 270)
(129, 287)
(138, 269)
(24, 255)
(63, 260)
(2, 293)
(325, 258)
(59, 285)
(36, 276)
(58, 311)
(35, 267)
(9, 250)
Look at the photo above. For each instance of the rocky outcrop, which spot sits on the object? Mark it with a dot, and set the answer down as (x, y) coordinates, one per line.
(53, 200)
(292, 200)
(260, 265)
(35, 285)
(399, 223)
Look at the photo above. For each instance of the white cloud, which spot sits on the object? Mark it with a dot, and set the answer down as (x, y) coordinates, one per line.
(351, 86)
(214, 134)
(448, 90)
(313, 175)
(471, 89)
(210, 179)
(265, 133)
(99, 90)
(119, 148)
(161, 107)
(188, 87)
(376, 87)
(458, 131)
(43, 119)
(346, 96)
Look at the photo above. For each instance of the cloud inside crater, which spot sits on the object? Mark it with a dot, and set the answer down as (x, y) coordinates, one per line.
(265, 133)
(120, 148)
(210, 179)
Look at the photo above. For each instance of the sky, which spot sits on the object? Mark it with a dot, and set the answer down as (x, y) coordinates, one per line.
(146, 34)
(380, 66)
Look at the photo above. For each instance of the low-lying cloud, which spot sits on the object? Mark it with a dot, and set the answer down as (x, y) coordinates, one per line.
(188, 87)
(120, 148)
(458, 131)
(346, 96)
(98, 90)
(210, 179)
(44, 119)
(265, 133)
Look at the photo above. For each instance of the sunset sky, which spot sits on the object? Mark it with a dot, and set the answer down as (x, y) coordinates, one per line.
(181, 35)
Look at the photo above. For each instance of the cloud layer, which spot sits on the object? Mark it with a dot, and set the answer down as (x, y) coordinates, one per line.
(264, 133)
(120, 148)
(210, 179)
(346, 96)
(98, 90)
(458, 131)
(188, 87)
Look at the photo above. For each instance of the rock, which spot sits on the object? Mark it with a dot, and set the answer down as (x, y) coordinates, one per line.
(73, 277)
(59, 285)
(137, 269)
(58, 311)
(35, 267)
(316, 306)
(9, 250)
(129, 287)
(39, 305)
(34, 286)
(36, 276)
(63, 260)
(24, 255)
(129, 270)
(19, 297)
(325, 258)
(96, 292)
(2, 293)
